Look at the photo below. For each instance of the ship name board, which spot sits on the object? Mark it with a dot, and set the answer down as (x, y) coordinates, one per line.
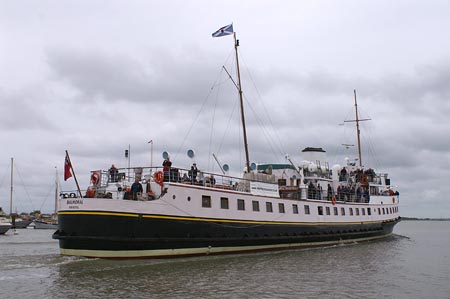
(73, 203)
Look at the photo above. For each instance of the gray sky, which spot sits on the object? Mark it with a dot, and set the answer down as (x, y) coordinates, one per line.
(93, 77)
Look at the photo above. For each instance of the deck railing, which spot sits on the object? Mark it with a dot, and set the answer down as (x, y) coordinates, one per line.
(124, 177)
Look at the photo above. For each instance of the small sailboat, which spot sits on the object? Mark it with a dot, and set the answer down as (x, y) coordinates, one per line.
(4, 223)
(16, 222)
(4, 227)
(46, 224)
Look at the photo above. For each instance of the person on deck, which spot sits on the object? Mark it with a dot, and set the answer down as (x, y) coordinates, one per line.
(329, 192)
(186, 178)
(135, 189)
(127, 193)
(166, 168)
(311, 191)
(193, 173)
(343, 175)
(113, 173)
(150, 193)
(319, 192)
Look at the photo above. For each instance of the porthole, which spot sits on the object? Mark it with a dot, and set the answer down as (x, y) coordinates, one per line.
(173, 196)
(189, 198)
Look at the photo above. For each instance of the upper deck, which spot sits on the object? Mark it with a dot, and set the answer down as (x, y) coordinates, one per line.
(356, 186)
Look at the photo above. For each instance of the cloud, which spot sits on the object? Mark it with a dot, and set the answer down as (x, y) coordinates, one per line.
(161, 77)
(95, 83)
(29, 112)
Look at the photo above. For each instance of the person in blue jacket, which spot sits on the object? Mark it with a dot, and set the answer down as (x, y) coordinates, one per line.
(136, 188)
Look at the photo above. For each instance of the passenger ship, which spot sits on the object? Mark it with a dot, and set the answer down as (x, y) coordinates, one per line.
(272, 206)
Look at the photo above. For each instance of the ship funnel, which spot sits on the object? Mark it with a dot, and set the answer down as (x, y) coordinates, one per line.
(314, 154)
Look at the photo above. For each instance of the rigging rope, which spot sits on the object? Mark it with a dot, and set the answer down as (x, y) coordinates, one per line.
(280, 146)
(195, 119)
(212, 127)
(3, 178)
(46, 197)
(215, 84)
(23, 185)
(228, 125)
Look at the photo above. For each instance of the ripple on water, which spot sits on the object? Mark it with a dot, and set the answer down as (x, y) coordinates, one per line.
(413, 264)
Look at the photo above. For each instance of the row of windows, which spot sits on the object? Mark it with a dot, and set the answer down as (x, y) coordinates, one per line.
(224, 204)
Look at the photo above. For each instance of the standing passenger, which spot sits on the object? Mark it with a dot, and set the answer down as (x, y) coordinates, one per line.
(136, 188)
(329, 192)
(113, 172)
(194, 171)
(166, 168)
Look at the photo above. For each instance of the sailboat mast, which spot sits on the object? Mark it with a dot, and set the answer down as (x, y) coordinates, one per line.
(12, 187)
(357, 131)
(236, 44)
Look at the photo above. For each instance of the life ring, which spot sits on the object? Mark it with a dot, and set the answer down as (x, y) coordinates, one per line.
(95, 178)
(159, 177)
(333, 200)
(393, 199)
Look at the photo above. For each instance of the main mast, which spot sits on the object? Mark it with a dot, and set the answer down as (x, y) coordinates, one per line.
(357, 120)
(357, 130)
(236, 45)
(227, 30)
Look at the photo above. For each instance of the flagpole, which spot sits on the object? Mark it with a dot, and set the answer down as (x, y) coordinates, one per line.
(236, 44)
(74, 176)
(129, 158)
(151, 156)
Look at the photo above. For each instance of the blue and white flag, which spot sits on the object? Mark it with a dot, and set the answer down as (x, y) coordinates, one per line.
(225, 30)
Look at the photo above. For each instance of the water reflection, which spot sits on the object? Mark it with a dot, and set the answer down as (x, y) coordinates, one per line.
(413, 264)
(326, 272)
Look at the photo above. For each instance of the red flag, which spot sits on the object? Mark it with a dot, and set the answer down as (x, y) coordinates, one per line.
(67, 166)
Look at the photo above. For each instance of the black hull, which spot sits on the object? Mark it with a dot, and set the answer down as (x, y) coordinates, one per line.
(114, 236)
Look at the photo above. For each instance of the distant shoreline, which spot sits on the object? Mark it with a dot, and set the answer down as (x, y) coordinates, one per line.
(425, 219)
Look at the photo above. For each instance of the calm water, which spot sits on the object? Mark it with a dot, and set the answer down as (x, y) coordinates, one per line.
(414, 263)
